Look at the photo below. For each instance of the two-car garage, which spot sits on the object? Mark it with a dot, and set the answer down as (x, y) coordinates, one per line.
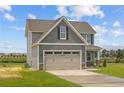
(62, 59)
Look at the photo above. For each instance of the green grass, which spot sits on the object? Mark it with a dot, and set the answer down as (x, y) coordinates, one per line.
(112, 69)
(33, 79)
(36, 79)
(12, 64)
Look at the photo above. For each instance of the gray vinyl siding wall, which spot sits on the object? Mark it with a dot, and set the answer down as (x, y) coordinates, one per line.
(59, 47)
(34, 58)
(88, 38)
(53, 36)
(29, 42)
(36, 36)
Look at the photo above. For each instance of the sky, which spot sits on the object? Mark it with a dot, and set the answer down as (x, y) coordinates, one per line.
(106, 20)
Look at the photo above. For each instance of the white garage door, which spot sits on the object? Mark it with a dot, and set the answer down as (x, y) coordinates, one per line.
(60, 60)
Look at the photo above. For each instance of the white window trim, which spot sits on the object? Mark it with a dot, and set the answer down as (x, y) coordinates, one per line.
(63, 32)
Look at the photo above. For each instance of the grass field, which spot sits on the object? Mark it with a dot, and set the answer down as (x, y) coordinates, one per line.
(11, 64)
(112, 69)
(14, 75)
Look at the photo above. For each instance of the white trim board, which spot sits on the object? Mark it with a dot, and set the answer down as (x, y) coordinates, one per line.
(69, 24)
(44, 68)
(37, 57)
(61, 44)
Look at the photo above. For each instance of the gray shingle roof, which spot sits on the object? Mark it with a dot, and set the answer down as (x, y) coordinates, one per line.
(45, 25)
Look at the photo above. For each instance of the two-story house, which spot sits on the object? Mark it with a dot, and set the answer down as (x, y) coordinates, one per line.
(60, 44)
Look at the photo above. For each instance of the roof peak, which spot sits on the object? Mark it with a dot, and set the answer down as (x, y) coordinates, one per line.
(55, 20)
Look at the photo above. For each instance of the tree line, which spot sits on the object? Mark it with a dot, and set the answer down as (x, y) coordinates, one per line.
(13, 59)
(118, 55)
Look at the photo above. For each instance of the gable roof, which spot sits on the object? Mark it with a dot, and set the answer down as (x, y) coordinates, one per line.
(57, 22)
(83, 27)
(45, 25)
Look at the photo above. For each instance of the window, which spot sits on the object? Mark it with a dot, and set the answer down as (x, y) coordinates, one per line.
(75, 52)
(67, 52)
(62, 32)
(88, 37)
(88, 56)
(57, 52)
(48, 52)
(92, 39)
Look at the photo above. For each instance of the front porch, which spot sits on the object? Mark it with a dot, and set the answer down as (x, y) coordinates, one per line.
(92, 56)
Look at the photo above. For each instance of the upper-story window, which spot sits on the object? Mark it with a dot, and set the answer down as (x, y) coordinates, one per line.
(89, 38)
(63, 32)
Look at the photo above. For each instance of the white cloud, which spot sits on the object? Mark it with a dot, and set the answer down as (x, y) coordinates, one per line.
(117, 32)
(77, 12)
(9, 17)
(17, 28)
(104, 23)
(4, 8)
(81, 11)
(100, 41)
(31, 16)
(99, 36)
(116, 24)
(100, 30)
(62, 11)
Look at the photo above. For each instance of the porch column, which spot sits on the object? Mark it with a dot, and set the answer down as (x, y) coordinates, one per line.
(98, 59)
(98, 55)
(85, 54)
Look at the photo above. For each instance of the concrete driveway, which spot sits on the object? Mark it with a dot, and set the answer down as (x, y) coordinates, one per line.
(89, 79)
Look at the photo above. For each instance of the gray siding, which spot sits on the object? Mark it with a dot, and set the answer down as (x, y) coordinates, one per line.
(34, 58)
(36, 36)
(53, 36)
(29, 42)
(88, 38)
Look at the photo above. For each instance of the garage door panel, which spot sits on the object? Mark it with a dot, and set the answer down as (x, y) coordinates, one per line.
(62, 67)
(62, 61)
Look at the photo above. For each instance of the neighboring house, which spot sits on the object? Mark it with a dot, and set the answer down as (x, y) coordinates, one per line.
(60, 44)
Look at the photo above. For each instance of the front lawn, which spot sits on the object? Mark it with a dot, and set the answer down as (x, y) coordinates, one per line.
(112, 69)
(21, 77)
(2, 64)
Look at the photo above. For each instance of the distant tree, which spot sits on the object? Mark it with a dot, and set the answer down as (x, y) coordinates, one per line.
(105, 53)
(112, 53)
(119, 55)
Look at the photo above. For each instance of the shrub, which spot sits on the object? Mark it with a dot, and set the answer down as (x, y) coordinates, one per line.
(104, 63)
